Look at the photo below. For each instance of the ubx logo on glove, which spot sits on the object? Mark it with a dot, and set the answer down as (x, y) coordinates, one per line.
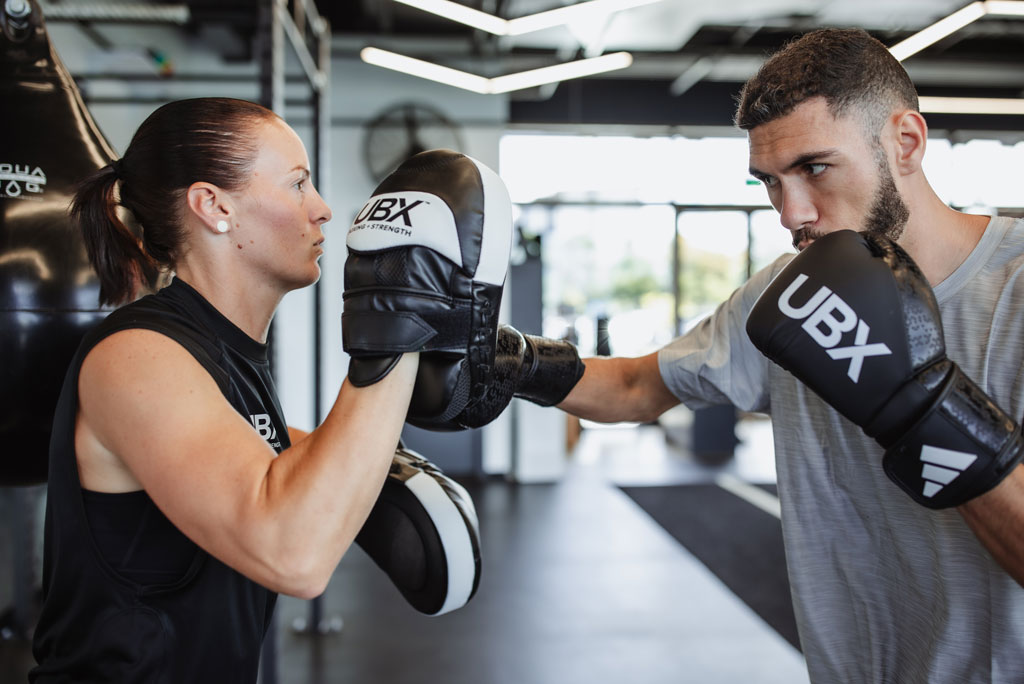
(385, 209)
(827, 330)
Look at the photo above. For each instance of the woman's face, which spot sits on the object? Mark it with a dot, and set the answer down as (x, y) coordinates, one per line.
(279, 214)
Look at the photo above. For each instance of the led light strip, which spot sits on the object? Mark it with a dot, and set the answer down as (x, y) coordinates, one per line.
(427, 70)
(953, 23)
(971, 105)
(515, 27)
(499, 84)
(561, 72)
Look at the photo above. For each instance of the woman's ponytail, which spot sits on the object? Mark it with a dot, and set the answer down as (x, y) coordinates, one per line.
(114, 251)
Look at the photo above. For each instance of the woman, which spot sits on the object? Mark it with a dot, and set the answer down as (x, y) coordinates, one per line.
(177, 508)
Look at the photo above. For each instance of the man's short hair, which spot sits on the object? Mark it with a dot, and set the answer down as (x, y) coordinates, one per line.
(851, 70)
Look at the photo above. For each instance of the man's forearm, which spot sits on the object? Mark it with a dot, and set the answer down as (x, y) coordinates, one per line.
(620, 389)
(997, 518)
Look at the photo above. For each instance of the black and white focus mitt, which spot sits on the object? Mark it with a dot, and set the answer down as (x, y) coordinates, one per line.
(424, 533)
(427, 259)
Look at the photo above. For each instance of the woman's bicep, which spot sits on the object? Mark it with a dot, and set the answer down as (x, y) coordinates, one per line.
(157, 411)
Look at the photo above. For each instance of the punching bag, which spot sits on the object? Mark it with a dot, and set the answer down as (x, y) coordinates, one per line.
(48, 291)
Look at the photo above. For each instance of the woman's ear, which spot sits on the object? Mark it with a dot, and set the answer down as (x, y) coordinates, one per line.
(912, 138)
(210, 205)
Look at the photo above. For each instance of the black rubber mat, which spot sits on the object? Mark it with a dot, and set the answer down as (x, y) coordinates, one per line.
(738, 542)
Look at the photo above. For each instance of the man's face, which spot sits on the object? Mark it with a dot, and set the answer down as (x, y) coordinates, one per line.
(825, 174)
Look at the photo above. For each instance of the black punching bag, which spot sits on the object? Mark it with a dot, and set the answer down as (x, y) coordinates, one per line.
(48, 290)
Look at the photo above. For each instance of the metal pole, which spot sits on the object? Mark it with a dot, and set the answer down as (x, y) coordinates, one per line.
(271, 56)
(677, 276)
(270, 39)
(750, 245)
(321, 167)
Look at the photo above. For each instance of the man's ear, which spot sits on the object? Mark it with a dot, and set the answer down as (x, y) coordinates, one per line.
(211, 205)
(912, 138)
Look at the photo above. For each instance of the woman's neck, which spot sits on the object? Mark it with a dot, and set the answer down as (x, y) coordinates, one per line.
(249, 305)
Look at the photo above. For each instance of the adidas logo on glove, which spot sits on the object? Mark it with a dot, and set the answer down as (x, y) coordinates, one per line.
(942, 466)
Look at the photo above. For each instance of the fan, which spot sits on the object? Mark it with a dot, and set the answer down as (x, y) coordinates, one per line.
(405, 130)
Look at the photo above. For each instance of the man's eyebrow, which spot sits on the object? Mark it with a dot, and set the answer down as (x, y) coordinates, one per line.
(807, 158)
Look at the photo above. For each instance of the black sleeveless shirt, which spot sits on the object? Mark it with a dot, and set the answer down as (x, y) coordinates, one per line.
(126, 596)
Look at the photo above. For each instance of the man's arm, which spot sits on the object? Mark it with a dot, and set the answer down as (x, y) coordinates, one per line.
(616, 389)
(997, 517)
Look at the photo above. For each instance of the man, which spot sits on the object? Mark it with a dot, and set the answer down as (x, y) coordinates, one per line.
(884, 589)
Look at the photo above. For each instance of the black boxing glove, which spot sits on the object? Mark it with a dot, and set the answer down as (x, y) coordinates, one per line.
(534, 368)
(855, 320)
(427, 259)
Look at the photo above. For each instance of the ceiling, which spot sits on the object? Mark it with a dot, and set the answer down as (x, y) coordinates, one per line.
(690, 56)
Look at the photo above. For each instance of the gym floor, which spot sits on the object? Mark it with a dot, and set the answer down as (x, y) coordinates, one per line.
(579, 585)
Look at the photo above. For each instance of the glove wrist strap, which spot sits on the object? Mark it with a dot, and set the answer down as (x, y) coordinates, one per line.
(375, 333)
(962, 447)
(550, 370)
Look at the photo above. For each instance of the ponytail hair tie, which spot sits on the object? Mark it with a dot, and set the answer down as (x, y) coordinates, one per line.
(118, 166)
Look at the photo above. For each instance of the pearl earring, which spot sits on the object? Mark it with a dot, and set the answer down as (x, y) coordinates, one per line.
(222, 226)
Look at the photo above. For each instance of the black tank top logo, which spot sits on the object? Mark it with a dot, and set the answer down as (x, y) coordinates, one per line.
(265, 426)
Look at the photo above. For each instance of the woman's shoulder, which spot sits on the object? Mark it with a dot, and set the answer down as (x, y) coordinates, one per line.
(150, 323)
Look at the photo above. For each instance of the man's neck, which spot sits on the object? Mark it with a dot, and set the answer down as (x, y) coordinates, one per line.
(939, 238)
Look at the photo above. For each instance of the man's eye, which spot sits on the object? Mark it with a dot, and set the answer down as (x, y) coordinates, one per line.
(816, 169)
(769, 181)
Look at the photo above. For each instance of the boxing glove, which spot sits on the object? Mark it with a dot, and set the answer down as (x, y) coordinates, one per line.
(538, 369)
(854, 319)
(427, 259)
(424, 534)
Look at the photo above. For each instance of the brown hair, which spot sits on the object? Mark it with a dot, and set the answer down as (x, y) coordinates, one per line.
(204, 139)
(847, 67)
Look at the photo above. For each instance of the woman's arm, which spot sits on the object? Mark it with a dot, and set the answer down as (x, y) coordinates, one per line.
(296, 435)
(282, 520)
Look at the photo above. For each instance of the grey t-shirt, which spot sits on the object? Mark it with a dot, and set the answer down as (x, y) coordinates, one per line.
(884, 590)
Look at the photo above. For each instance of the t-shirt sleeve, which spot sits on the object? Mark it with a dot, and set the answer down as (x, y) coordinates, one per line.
(715, 362)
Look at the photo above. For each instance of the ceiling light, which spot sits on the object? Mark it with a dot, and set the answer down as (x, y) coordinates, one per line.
(953, 23)
(499, 84)
(971, 105)
(427, 70)
(1006, 8)
(461, 14)
(533, 22)
(561, 72)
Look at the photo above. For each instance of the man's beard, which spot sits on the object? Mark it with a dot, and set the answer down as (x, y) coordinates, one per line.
(888, 215)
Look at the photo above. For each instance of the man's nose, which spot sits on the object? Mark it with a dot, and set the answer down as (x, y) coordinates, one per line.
(796, 208)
